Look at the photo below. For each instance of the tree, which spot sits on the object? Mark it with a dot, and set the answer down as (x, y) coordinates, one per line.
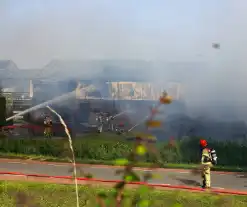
(1, 89)
(2, 111)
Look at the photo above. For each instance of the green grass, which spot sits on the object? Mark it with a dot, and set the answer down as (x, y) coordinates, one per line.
(13, 193)
(105, 162)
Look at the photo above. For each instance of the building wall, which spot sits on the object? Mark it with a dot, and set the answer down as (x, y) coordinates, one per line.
(133, 90)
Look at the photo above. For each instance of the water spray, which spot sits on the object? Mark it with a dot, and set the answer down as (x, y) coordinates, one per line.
(119, 114)
(52, 101)
(55, 100)
(164, 99)
(72, 150)
(139, 123)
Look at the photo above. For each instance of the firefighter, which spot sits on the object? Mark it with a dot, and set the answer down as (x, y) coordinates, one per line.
(206, 161)
(100, 122)
(109, 121)
(48, 127)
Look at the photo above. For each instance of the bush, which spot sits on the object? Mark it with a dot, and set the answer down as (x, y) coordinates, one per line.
(184, 151)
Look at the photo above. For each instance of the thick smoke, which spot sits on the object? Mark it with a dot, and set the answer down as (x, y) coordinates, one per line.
(161, 32)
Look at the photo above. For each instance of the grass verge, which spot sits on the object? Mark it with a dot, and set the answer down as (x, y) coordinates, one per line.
(15, 193)
(104, 162)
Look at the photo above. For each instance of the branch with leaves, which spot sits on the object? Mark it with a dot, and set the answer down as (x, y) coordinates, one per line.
(143, 144)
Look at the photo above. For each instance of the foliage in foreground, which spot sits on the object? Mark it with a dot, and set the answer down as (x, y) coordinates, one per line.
(14, 194)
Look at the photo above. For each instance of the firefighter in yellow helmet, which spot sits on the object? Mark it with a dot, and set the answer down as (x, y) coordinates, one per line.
(207, 160)
(48, 127)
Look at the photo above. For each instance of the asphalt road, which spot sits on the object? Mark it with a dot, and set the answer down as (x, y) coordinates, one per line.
(174, 177)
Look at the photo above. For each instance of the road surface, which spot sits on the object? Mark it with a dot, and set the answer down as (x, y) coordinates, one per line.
(172, 177)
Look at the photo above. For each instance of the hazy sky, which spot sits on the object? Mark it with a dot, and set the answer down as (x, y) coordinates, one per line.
(32, 32)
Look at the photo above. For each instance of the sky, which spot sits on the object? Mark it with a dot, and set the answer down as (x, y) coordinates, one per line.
(33, 32)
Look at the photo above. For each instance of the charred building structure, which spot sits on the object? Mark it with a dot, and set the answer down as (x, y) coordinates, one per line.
(112, 89)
